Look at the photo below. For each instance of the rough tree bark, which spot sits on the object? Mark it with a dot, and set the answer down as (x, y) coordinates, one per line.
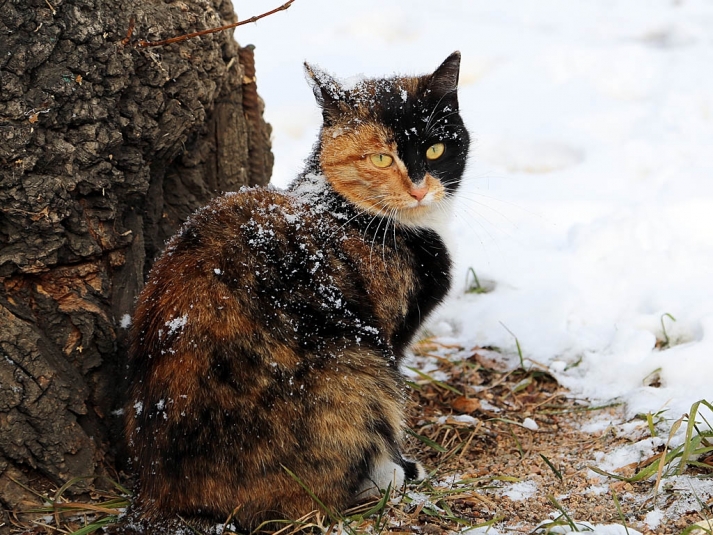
(104, 151)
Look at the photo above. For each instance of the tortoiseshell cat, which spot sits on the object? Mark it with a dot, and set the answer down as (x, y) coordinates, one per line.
(269, 334)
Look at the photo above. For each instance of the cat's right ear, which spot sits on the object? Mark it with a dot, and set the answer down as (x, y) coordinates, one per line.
(444, 81)
(327, 91)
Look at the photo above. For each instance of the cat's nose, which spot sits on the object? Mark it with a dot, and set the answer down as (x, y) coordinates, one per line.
(418, 193)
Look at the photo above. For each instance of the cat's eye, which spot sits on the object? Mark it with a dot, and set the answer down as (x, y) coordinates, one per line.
(381, 160)
(435, 151)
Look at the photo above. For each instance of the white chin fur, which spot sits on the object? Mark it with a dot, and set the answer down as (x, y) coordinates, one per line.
(435, 216)
(383, 473)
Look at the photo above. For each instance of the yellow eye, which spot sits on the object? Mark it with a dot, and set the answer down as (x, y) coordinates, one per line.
(435, 151)
(381, 160)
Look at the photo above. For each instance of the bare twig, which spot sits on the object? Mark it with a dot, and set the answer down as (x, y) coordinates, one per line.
(52, 9)
(126, 40)
(144, 44)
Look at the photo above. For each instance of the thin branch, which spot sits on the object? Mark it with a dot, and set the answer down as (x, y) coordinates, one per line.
(52, 9)
(144, 44)
(126, 40)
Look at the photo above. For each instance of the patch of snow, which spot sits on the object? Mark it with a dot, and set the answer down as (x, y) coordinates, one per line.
(449, 481)
(487, 406)
(219, 529)
(522, 490)
(597, 490)
(597, 529)
(691, 494)
(351, 82)
(598, 424)
(418, 498)
(125, 322)
(177, 323)
(653, 518)
(627, 454)
(460, 418)
(529, 423)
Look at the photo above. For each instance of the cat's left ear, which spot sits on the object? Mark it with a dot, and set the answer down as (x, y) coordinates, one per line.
(327, 90)
(444, 80)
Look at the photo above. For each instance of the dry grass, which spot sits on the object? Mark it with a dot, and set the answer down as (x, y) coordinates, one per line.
(472, 425)
(487, 456)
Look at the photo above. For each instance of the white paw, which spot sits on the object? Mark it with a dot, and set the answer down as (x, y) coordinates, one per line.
(384, 472)
(420, 472)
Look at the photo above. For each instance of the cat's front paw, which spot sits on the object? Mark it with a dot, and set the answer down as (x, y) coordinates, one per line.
(384, 473)
(413, 470)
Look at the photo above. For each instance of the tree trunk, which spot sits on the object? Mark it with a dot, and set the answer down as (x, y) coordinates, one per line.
(104, 151)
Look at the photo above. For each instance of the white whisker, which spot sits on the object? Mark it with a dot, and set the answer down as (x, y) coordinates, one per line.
(435, 108)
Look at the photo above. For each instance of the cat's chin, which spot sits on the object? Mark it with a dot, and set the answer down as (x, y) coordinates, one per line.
(434, 216)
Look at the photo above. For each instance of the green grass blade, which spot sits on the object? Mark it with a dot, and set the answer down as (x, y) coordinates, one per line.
(427, 441)
(650, 423)
(552, 467)
(517, 345)
(435, 381)
(98, 524)
(621, 513)
(687, 442)
(331, 514)
(562, 510)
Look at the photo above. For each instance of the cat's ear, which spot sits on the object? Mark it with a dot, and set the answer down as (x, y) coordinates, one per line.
(327, 91)
(444, 80)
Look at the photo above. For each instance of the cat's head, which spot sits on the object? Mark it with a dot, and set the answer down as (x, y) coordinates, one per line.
(395, 147)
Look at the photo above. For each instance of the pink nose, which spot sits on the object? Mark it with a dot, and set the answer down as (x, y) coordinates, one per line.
(419, 193)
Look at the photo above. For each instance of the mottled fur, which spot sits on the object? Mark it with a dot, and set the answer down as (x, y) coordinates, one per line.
(269, 334)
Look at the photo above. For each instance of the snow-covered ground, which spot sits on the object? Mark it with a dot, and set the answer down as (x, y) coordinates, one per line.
(588, 201)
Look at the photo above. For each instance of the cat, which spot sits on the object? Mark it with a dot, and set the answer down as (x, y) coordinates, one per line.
(266, 343)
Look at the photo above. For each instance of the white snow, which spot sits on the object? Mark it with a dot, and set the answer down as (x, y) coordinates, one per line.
(177, 323)
(125, 322)
(653, 518)
(458, 418)
(629, 454)
(596, 529)
(521, 490)
(529, 423)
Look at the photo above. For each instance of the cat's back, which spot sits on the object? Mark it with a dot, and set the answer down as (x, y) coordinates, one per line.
(262, 272)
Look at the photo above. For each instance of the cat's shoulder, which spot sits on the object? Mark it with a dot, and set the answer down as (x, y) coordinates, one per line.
(225, 216)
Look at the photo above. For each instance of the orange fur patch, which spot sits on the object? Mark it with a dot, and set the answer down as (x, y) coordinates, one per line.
(380, 191)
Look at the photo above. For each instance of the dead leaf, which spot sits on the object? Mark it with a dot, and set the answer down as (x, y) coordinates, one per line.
(466, 405)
